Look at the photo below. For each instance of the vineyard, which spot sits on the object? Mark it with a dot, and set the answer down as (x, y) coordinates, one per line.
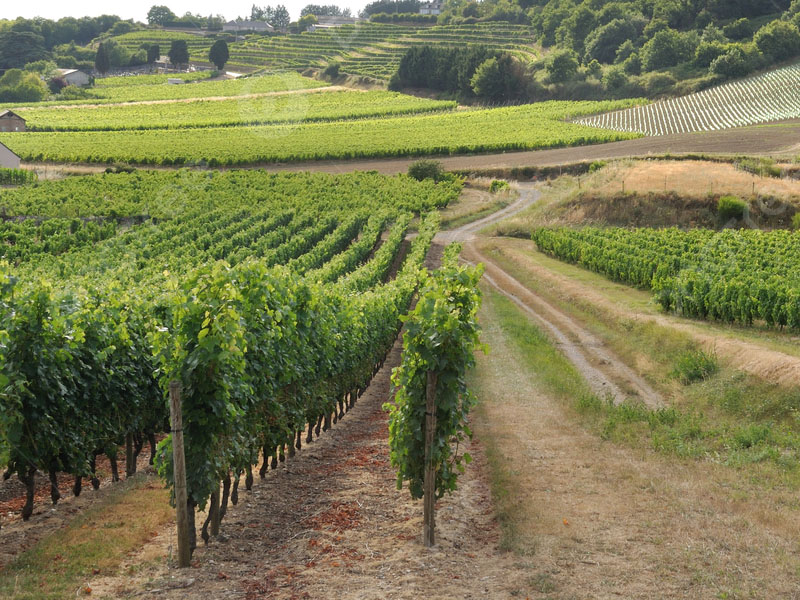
(138, 89)
(733, 276)
(371, 49)
(286, 108)
(524, 127)
(771, 96)
(268, 296)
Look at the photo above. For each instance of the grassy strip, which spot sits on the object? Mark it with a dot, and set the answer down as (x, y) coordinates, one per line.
(464, 219)
(95, 542)
(726, 418)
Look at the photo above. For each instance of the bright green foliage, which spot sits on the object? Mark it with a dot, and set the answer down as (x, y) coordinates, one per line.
(498, 185)
(734, 276)
(142, 87)
(368, 49)
(19, 86)
(441, 335)
(17, 176)
(262, 293)
(526, 127)
(286, 108)
(731, 207)
(260, 352)
(695, 365)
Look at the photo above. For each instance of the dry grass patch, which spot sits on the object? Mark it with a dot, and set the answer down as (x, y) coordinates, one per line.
(95, 543)
(689, 178)
(596, 519)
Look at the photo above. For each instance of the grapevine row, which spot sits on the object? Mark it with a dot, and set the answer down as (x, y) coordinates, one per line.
(731, 276)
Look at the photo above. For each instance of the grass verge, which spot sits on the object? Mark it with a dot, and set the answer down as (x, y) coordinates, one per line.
(724, 417)
(95, 542)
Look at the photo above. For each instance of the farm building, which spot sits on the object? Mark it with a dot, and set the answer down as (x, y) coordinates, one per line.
(8, 160)
(261, 26)
(10, 121)
(74, 77)
(431, 8)
(331, 21)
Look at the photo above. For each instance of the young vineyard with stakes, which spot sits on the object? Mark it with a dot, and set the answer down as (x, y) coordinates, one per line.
(764, 98)
(271, 299)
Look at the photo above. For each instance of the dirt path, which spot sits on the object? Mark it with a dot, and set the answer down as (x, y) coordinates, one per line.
(331, 524)
(605, 521)
(605, 372)
(749, 356)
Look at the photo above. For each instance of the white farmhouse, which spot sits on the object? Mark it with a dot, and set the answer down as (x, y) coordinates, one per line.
(431, 8)
(257, 26)
(74, 77)
(8, 160)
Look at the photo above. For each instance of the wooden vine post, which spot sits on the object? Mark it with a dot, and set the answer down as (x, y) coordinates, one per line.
(179, 473)
(429, 483)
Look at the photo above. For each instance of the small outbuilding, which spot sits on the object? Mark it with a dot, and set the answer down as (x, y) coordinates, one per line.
(74, 77)
(8, 160)
(255, 26)
(11, 121)
(431, 8)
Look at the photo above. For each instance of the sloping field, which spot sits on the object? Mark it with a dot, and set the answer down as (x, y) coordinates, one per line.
(372, 49)
(772, 96)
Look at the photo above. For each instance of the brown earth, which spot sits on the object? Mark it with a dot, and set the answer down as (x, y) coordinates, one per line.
(18, 535)
(689, 177)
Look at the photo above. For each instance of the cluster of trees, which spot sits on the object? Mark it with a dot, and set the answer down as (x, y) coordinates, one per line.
(328, 10)
(638, 43)
(468, 72)
(163, 16)
(28, 40)
(403, 18)
(21, 86)
(390, 7)
(278, 17)
(631, 47)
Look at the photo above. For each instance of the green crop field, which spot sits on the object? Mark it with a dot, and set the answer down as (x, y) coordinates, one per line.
(246, 110)
(241, 284)
(133, 92)
(731, 276)
(526, 127)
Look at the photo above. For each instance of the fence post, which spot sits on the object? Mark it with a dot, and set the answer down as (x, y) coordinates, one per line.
(179, 472)
(429, 483)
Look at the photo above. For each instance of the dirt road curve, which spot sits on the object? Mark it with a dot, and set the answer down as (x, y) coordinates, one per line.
(605, 372)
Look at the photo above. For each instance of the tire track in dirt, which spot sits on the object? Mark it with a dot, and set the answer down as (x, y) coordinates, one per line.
(606, 374)
(748, 356)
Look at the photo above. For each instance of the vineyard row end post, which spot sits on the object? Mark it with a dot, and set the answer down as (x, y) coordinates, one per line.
(429, 483)
(179, 473)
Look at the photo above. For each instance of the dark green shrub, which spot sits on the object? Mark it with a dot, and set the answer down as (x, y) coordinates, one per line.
(426, 169)
(332, 70)
(498, 185)
(695, 365)
(731, 207)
